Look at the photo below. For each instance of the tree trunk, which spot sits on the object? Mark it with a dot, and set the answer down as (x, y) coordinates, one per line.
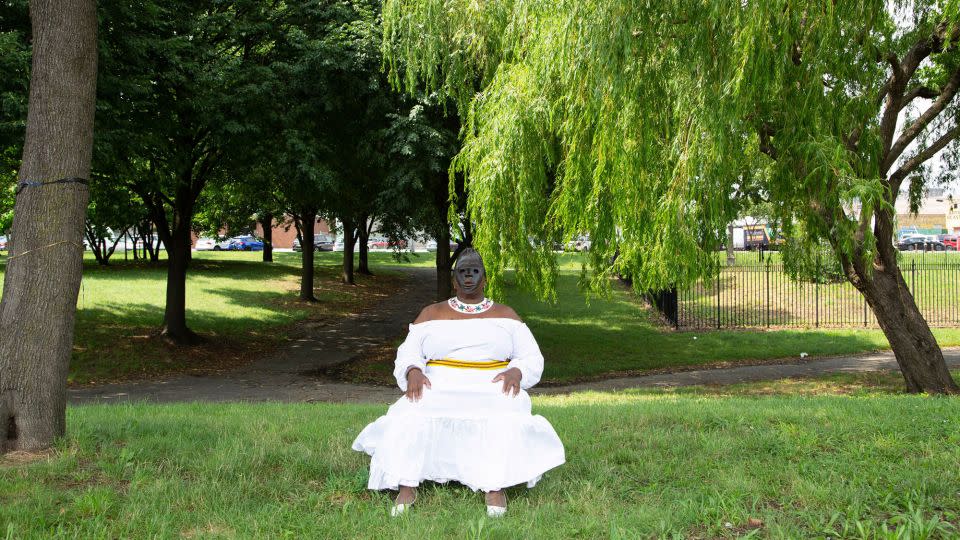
(175, 314)
(307, 227)
(266, 223)
(112, 249)
(348, 239)
(177, 241)
(363, 266)
(93, 240)
(45, 261)
(444, 264)
(916, 349)
(151, 251)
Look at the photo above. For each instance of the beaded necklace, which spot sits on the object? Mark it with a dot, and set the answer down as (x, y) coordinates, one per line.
(463, 307)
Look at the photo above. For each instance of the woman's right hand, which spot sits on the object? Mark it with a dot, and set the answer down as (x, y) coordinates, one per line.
(416, 380)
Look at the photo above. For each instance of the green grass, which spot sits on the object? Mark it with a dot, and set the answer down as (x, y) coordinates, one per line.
(753, 294)
(640, 464)
(240, 304)
(245, 308)
(621, 335)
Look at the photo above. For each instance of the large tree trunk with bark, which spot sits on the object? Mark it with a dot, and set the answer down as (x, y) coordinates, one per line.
(363, 229)
(918, 354)
(307, 228)
(266, 223)
(44, 267)
(916, 349)
(349, 230)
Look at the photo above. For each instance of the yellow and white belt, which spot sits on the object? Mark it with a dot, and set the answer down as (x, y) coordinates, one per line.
(468, 364)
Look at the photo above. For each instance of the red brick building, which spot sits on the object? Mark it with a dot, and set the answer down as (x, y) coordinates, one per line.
(284, 233)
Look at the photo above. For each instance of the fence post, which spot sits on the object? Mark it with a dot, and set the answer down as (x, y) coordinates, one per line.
(913, 278)
(718, 298)
(816, 293)
(768, 292)
(674, 305)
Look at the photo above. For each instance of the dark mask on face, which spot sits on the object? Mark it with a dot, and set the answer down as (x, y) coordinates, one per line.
(469, 271)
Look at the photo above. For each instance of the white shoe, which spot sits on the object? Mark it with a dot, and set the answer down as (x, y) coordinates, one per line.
(496, 511)
(399, 509)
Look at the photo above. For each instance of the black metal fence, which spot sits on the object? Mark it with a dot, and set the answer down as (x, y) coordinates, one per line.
(761, 294)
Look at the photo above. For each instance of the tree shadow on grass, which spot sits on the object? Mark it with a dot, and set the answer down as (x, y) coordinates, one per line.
(115, 341)
(198, 267)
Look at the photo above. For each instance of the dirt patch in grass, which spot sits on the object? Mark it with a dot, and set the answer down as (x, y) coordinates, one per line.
(19, 458)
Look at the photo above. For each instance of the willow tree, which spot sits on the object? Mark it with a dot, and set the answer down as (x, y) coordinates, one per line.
(645, 124)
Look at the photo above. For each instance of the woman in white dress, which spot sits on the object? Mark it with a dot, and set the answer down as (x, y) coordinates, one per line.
(465, 416)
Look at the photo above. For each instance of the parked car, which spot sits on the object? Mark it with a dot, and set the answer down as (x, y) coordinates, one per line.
(338, 245)
(321, 242)
(921, 244)
(245, 243)
(205, 243)
(377, 242)
(3, 243)
(950, 241)
(382, 242)
(431, 245)
(223, 244)
(580, 243)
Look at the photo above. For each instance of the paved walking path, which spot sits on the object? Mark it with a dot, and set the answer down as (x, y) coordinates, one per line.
(809, 368)
(291, 373)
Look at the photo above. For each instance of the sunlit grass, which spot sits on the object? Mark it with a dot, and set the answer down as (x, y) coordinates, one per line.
(621, 334)
(640, 464)
(242, 306)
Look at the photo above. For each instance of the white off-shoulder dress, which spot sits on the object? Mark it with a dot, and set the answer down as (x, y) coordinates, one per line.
(464, 428)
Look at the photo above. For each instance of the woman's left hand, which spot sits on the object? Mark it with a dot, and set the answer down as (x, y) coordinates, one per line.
(511, 381)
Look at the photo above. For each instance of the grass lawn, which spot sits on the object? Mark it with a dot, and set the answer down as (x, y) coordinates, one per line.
(245, 308)
(639, 464)
(621, 335)
(242, 305)
(757, 294)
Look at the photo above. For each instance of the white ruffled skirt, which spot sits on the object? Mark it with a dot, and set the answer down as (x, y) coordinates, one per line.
(464, 429)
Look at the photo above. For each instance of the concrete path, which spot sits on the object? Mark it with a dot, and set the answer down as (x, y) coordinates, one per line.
(292, 373)
(808, 368)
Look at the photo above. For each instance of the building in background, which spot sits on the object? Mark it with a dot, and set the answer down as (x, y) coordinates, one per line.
(937, 213)
(284, 232)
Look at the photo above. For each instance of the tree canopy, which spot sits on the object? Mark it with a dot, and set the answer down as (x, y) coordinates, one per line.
(643, 123)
